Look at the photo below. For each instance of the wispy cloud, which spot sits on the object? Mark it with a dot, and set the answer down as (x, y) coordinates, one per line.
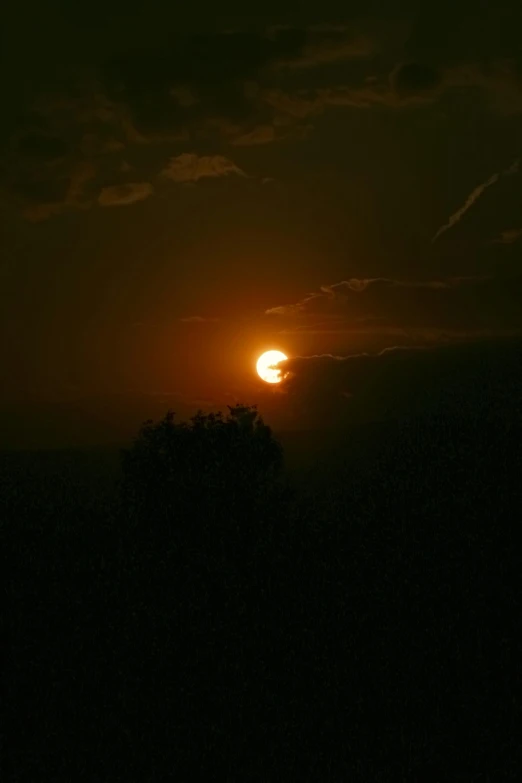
(418, 308)
(509, 236)
(329, 294)
(190, 167)
(261, 134)
(403, 378)
(121, 195)
(473, 196)
(323, 44)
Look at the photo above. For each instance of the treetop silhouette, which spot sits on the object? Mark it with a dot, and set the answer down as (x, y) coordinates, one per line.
(214, 464)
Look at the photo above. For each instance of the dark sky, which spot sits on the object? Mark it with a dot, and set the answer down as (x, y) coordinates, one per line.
(180, 192)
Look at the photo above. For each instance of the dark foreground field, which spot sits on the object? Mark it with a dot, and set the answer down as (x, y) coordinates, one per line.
(366, 629)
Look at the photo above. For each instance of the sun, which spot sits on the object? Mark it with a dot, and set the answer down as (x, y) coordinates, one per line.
(265, 368)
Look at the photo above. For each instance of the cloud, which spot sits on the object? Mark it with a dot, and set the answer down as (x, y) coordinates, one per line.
(223, 57)
(190, 167)
(356, 97)
(202, 59)
(197, 80)
(307, 103)
(415, 78)
(243, 88)
(478, 378)
(54, 153)
(226, 83)
(494, 81)
(121, 195)
(42, 193)
(497, 81)
(325, 44)
(409, 84)
(331, 299)
(509, 236)
(451, 306)
(263, 134)
(473, 196)
(298, 106)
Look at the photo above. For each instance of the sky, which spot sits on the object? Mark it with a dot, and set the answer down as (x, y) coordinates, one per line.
(182, 189)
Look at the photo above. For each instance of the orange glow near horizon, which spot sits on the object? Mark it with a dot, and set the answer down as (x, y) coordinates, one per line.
(265, 366)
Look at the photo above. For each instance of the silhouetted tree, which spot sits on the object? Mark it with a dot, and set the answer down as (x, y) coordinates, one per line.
(230, 632)
(202, 523)
(213, 468)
